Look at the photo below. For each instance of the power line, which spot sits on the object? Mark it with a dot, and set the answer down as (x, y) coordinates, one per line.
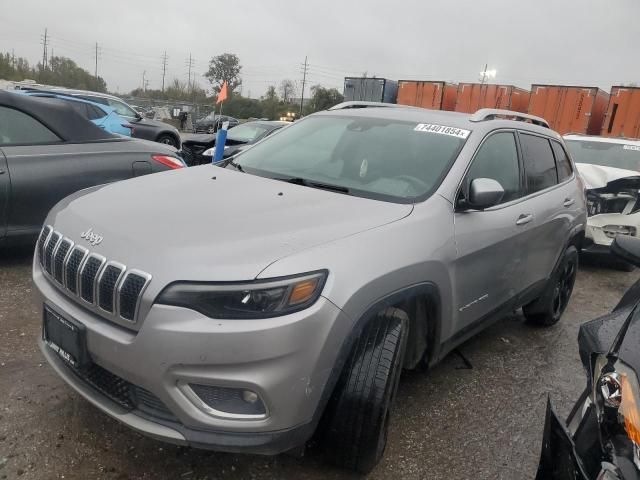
(304, 81)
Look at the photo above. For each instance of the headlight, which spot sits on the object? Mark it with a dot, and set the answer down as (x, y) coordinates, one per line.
(258, 299)
(617, 395)
(210, 151)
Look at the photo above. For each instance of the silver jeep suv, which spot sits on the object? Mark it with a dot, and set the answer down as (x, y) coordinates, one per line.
(249, 307)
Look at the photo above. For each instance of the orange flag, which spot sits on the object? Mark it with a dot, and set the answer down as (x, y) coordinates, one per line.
(222, 96)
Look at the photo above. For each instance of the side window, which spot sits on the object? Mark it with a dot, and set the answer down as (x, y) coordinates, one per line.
(95, 112)
(539, 163)
(79, 107)
(17, 128)
(94, 99)
(562, 162)
(122, 109)
(498, 159)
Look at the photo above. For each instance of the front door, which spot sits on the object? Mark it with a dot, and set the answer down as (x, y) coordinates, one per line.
(490, 242)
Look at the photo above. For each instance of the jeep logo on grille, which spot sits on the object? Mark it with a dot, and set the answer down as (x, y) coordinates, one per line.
(91, 237)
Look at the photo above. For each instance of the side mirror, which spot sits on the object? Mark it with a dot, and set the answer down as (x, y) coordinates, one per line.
(484, 193)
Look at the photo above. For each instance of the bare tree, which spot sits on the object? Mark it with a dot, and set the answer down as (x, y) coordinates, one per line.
(287, 90)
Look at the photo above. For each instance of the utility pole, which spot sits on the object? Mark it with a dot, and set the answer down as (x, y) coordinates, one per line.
(304, 81)
(190, 64)
(96, 69)
(144, 82)
(13, 58)
(164, 67)
(45, 42)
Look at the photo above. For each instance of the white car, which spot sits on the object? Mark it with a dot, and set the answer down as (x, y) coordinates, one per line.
(610, 169)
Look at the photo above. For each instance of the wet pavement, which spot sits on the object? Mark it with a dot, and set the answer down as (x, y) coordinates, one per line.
(454, 422)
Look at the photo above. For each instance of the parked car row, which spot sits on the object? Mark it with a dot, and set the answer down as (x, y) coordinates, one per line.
(141, 127)
(48, 150)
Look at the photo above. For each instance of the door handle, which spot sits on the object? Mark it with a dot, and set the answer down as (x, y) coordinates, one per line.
(1, 172)
(568, 202)
(524, 219)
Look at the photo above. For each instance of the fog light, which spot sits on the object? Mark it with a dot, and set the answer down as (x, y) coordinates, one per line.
(226, 402)
(249, 396)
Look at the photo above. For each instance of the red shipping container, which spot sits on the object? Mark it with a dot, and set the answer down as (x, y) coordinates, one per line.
(569, 109)
(474, 96)
(623, 114)
(427, 94)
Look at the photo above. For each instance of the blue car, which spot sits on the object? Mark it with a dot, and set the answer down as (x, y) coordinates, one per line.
(102, 115)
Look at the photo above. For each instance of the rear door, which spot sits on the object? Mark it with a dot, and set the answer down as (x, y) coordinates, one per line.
(552, 201)
(5, 186)
(489, 242)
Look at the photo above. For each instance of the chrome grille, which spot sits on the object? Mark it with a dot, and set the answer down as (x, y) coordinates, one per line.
(129, 297)
(106, 285)
(72, 267)
(88, 275)
(49, 248)
(44, 236)
(59, 258)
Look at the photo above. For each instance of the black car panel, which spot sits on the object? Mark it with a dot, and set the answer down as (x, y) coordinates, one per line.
(48, 151)
(5, 186)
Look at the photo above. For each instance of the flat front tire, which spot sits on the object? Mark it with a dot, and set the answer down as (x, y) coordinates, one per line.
(358, 417)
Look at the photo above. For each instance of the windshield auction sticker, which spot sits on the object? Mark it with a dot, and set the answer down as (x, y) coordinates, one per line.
(442, 130)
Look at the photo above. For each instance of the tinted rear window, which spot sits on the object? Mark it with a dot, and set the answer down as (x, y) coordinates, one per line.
(539, 163)
(562, 162)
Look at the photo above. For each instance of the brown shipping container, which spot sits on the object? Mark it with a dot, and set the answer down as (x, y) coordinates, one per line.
(474, 96)
(623, 115)
(427, 94)
(569, 109)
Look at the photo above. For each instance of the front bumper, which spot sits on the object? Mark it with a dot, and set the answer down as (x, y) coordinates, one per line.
(286, 360)
(598, 227)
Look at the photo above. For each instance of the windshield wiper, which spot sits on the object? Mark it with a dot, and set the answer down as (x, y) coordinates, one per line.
(237, 166)
(314, 184)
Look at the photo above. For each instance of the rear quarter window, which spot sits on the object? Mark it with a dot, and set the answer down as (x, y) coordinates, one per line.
(18, 128)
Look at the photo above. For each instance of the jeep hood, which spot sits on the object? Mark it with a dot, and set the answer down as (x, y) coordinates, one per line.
(598, 176)
(210, 223)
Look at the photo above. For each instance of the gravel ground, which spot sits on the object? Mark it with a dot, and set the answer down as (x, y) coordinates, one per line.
(452, 422)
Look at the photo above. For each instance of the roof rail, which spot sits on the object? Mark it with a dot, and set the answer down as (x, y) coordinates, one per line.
(492, 113)
(363, 104)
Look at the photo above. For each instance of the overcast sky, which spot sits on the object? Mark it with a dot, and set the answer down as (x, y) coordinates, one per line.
(583, 42)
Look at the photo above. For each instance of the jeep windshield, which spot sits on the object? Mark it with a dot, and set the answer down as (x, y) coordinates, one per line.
(363, 156)
(607, 154)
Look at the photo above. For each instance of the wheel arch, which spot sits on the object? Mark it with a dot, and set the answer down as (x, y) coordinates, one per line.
(425, 295)
(173, 135)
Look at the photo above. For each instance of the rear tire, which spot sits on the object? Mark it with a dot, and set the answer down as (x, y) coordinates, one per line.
(548, 309)
(358, 415)
(167, 139)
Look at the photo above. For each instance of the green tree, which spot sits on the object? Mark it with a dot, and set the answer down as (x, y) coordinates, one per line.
(64, 72)
(224, 68)
(271, 104)
(323, 98)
